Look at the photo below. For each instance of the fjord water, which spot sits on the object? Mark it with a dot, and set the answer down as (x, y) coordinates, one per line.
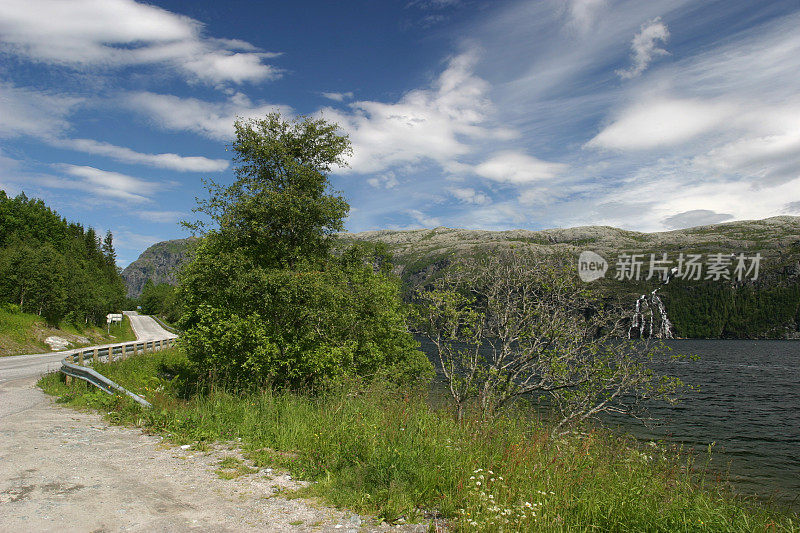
(746, 400)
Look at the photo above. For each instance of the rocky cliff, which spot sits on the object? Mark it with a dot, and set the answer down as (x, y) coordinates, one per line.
(160, 263)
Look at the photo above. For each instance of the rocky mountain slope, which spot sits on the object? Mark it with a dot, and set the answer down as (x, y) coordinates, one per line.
(159, 263)
(416, 252)
(768, 307)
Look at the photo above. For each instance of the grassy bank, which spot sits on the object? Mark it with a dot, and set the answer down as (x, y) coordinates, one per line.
(386, 452)
(23, 333)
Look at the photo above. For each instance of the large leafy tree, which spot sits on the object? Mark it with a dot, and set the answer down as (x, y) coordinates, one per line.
(280, 208)
(264, 298)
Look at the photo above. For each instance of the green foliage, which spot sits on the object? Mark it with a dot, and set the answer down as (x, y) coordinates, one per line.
(377, 449)
(265, 301)
(161, 300)
(53, 268)
(733, 311)
(279, 208)
(296, 328)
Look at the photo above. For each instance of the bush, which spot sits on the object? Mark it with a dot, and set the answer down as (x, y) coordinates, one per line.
(301, 328)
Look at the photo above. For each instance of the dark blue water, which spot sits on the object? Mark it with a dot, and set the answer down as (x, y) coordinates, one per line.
(746, 401)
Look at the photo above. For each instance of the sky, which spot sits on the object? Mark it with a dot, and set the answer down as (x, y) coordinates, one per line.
(649, 116)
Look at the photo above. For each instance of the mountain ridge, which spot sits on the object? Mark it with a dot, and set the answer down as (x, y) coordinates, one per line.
(777, 238)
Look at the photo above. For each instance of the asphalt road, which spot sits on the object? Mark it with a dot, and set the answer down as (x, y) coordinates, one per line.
(34, 365)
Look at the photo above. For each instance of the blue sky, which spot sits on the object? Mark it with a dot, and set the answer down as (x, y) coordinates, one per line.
(648, 115)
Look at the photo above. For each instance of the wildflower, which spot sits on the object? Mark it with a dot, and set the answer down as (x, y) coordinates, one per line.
(528, 505)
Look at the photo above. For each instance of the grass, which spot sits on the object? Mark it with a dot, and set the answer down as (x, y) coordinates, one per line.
(23, 333)
(233, 467)
(377, 450)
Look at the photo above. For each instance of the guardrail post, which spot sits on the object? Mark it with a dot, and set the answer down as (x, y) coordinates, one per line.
(67, 377)
(94, 356)
(161, 344)
(110, 354)
(80, 357)
(135, 349)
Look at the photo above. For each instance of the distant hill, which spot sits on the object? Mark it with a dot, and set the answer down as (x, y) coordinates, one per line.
(418, 253)
(769, 307)
(159, 263)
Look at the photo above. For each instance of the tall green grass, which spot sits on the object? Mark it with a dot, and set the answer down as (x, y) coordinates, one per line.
(22, 333)
(384, 451)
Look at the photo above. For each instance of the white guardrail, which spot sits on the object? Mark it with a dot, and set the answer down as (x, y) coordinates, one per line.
(75, 364)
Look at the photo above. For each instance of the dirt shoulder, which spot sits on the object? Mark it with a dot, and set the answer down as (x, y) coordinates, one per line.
(65, 470)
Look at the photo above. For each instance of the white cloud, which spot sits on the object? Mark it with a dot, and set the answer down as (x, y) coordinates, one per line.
(116, 33)
(30, 112)
(469, 195)
(209, 119)
(771, 158)
(165, 217)
(582, 13)
(423, 219)
(104, 183)
(338, 97)
(437, 124)
(387, 180)
(662, 122)
(126, 155)
(433, 4)
(518, 168)
(695, 217)
(644, 47)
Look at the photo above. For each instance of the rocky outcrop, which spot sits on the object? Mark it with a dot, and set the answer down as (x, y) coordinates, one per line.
(159, 263)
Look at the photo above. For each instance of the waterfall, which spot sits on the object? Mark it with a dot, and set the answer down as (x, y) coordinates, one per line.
(650, 313)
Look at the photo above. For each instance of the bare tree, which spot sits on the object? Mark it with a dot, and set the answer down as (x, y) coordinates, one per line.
(516, 323)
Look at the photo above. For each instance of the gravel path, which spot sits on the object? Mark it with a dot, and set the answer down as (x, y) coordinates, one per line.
(66, 470)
